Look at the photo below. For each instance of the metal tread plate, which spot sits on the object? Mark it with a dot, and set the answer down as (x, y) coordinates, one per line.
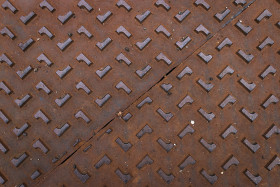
(211, 92)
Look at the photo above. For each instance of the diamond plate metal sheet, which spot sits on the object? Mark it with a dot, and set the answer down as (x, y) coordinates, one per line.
(139, 93)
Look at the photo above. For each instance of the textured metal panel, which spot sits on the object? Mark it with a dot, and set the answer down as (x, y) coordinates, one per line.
(73, 74)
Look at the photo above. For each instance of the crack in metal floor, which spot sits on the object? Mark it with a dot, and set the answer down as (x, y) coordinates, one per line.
(139, 93)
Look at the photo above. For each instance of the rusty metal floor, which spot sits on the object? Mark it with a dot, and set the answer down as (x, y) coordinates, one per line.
(139, 93)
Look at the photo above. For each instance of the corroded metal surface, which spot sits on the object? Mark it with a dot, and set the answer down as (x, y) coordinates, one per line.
(139, 93)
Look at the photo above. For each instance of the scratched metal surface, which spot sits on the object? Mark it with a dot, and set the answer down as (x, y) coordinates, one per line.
(80, 106)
